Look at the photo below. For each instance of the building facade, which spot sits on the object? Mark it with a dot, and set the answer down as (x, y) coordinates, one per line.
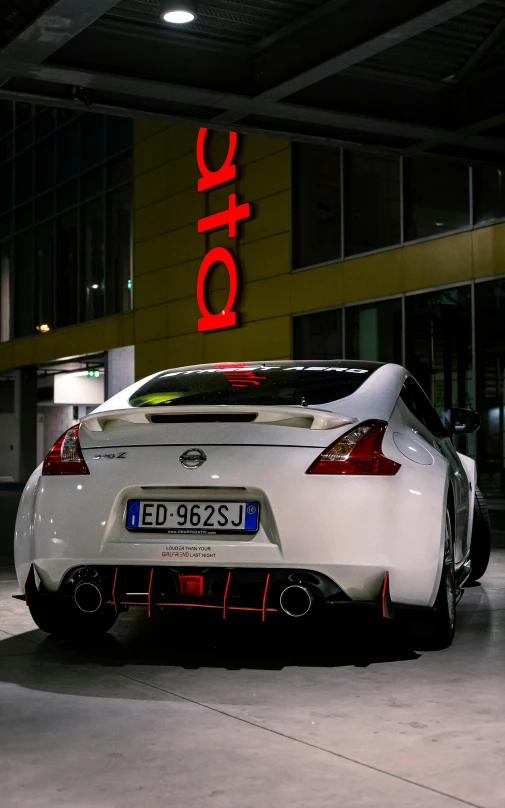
(338, 253)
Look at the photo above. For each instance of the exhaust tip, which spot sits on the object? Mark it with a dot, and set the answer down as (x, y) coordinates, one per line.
(87, 597)
(296, 600)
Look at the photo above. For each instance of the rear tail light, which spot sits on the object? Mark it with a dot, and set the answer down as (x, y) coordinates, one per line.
(65, 457)
(359, 451)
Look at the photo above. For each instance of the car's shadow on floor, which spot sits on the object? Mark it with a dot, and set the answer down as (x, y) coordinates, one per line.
(192, 644)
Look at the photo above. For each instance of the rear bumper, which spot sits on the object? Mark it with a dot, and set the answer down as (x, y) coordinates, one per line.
(224, 592)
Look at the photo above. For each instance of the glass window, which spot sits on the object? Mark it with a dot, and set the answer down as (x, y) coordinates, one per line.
(372, 201)
(67, 269)
(45, 123)
(316, 204)
(44, 273)
(119, 133)
(24, 137)
(66, 196)
(5, 290)
(6, 148)
(439, 346)
(24, 287)
(119, 250)
(24, 177)
(266, 384)
(436, 197)
(488, 194)
(490, 366)
(119, 170)
(92, 182)
(318, 335)
(91, 140)
(23, 217)
(44, 165)
(44, 207)
(374, 331)
(6, 117)
(23, 113)
(6, 194)
(92, 260)
(6, 225)
(67, 152)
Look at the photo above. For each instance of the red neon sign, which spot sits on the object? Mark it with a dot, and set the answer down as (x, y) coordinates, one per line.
(228, 317)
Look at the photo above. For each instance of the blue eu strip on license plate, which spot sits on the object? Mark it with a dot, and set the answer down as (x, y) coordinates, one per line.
(133, 514)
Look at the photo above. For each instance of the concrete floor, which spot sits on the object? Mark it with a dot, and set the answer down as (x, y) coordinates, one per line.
(242, 718)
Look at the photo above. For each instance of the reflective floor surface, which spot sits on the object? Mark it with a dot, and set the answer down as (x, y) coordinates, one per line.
(240, 717)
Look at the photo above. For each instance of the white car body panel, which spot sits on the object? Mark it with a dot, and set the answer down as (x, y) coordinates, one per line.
(351, 528)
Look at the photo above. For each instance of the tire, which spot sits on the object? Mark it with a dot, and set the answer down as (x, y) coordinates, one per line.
(480, 545)
(66, 620)
(434, 630)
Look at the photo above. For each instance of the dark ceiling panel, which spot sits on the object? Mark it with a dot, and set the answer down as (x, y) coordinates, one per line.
(240, 22)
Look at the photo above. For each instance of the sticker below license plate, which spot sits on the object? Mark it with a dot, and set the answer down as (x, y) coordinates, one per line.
(192, 517)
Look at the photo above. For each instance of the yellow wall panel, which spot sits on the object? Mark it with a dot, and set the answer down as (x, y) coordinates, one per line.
(181, 280)
(224, 346)
(183, 317)
(150, 323)
(271, 216)
(316, 288)
(183, 245)
(266, 177)
(151, 357)
(151, 187)
(266, 298)
(372, 276)
(151, 221)
(150, 255)
(255, 148)
(181, 140)
(185, 208)
(151, 288)
(437, 262)
(270, 256)
(185, 350)
(147, 128)
(152, 152)
(182, 174)
(488, 251)
(267, 339)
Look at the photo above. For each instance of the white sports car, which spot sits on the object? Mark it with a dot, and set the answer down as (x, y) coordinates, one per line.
(275, 488)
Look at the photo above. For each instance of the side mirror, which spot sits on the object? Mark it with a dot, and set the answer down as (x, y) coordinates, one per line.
(463, 422)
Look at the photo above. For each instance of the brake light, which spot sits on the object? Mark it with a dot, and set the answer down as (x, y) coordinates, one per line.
(65, 457)
(359, 451)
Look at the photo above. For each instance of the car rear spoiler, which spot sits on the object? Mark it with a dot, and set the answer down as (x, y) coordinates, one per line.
(301, 417)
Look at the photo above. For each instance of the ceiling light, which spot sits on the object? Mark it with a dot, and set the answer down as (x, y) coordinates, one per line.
(44, 328)
(179, 12)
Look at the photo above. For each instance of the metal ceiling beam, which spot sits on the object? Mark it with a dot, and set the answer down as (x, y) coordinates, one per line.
(465, 131)
(88, 81)
(486, 48)
(143, 114)
(410, 28)
(59, 23)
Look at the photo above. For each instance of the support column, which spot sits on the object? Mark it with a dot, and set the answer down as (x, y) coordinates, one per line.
(25, 422)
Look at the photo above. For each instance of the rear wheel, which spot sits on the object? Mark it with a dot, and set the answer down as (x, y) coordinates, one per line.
(66, 620)
(435, 630)
(480, 546)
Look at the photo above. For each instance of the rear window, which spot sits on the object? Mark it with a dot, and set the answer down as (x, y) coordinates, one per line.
(302, 384)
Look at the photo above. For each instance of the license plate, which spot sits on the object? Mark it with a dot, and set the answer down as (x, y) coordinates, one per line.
(192, 517)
